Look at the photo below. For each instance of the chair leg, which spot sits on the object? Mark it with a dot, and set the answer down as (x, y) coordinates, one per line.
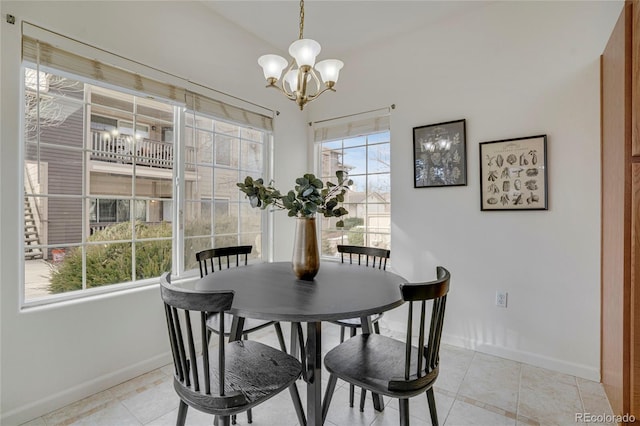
(331, 386)
(341, 334)
(297, 404)
(351, 387)
(182, 413)
(249, 417)
(280, 337)
(224, 421)
(376, 327)
(363, 395)
(432, 407)
(404, 412)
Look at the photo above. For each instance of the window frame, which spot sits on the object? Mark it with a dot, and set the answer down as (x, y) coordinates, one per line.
(178, 194)
(318, 162)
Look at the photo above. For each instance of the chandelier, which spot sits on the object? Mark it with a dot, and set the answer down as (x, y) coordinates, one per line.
(296, 84)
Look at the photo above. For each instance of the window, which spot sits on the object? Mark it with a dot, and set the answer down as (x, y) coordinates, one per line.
(216, 215)
(100, 168)
(364, 153)
(104, 212)
(82, 185)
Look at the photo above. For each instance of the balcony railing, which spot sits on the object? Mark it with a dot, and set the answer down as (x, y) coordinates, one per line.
(142, 152)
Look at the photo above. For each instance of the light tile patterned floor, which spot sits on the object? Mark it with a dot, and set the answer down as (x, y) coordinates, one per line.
(472, 389)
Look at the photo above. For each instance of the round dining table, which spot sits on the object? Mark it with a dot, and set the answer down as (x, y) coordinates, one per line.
(270, 291)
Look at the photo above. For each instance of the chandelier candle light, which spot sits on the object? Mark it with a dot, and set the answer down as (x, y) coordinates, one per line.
(304, 52)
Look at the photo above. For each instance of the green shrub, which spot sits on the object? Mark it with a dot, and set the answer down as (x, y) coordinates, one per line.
(350, 222)
(355, 238)
(110, 263)
(225, 230)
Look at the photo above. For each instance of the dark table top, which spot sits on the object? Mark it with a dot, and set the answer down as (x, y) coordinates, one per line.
(270, 291)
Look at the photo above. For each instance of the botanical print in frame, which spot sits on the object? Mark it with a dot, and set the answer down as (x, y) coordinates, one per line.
(513, 174)
(440, 155)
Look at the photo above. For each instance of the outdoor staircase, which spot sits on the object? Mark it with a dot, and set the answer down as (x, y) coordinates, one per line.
(31, 238)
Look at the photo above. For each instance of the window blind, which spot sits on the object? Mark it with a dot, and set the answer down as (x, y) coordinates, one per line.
(45, 54)
(353, 125)
(37, 49)
(212, 107)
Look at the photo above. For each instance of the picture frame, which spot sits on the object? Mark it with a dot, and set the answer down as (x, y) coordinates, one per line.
(440, 155)
(513, 174)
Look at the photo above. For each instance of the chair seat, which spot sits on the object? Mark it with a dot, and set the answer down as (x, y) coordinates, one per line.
(250, 324)
(355, 322)
(254, 373)
(371, 361)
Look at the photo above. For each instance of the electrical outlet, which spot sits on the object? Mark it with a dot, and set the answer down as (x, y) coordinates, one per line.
(501, 299)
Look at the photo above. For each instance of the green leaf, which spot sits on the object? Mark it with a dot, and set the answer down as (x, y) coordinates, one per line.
(339, 224)
(307, 192)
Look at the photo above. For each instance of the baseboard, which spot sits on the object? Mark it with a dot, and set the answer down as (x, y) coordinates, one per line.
(574, 369)
(43, 406)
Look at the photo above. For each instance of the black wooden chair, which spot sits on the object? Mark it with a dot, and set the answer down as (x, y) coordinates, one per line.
(391, 367)
(225, 257)
(223, 380)
(368, 256)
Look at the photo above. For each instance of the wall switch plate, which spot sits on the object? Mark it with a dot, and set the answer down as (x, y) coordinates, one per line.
(501, 299)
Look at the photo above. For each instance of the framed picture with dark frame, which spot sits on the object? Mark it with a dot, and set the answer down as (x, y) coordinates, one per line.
(513, 174)
(440, 155)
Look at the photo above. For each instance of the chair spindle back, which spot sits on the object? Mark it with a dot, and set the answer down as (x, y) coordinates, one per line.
(207, 259)
(377, 257)
(183, 308)
(425, 366)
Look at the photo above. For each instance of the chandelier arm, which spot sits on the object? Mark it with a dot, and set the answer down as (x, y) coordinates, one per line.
(317, 81)
(281, 89)
(313, 97)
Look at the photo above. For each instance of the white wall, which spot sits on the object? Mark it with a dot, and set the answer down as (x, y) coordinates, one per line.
(511, 69)
(55, 355)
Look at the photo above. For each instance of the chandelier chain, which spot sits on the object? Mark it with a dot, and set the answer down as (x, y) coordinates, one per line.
(301, 19)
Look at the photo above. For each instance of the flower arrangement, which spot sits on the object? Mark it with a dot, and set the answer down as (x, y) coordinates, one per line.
(309, 196)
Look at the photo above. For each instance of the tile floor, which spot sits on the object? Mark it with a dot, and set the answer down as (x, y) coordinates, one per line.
(472, 389)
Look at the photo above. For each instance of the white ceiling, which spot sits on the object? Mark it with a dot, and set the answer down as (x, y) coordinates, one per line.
(338, 25)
